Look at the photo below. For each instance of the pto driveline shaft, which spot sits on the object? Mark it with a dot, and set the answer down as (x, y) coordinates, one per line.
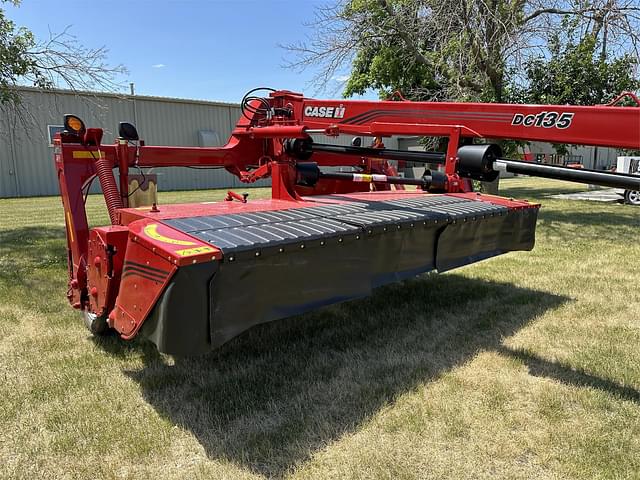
(578, 175)
(407, 155)
(423, 182)
(308, 174)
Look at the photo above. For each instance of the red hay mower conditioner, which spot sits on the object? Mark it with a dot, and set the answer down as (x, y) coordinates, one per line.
(190, 277)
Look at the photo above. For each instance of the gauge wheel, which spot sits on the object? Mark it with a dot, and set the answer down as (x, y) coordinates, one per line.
(632, 197)
(96, 324)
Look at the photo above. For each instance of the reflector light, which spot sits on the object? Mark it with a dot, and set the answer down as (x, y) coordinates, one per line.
(73, 124)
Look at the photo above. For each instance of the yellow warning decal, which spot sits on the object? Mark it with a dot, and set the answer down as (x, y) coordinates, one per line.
(70, 226)
(189, 252)
(151, 231)
(88, 154)
(360, 177)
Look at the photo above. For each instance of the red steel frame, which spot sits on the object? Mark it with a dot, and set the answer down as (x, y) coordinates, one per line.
(256, 150)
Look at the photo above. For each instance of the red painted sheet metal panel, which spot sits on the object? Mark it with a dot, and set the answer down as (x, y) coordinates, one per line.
(585, 125)
(496, 200)
(144, 277)
(107, 249)
(170, 244)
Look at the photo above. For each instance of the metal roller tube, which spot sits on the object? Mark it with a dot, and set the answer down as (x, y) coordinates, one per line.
(577, 175)
(483, 162)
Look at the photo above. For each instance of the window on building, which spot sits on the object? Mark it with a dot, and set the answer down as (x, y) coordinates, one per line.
(53, 129)
(208, 138)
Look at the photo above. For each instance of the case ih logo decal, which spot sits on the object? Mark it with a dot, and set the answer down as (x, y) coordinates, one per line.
(544, 120)
(324, 112)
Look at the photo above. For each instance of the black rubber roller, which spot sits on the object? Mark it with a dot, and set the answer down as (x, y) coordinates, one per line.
(299, 148)
(307, 174)
(435, 181)
(476, 161)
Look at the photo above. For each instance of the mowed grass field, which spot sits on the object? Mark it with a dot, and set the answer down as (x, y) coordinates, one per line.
(522, 366)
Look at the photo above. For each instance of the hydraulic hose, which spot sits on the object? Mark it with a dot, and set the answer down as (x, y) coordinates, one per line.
(109, 187)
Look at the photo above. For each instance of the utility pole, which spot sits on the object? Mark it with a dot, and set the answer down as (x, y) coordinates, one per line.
(603, 57)
(132, 88)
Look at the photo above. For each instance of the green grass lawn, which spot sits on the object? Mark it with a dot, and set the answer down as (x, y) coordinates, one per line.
(523, 366)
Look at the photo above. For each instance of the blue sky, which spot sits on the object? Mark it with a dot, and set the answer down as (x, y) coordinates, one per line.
(215, 50)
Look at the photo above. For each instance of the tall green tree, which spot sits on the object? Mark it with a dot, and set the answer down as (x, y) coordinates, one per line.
(577, 72)
(14, 62)
(59, 60)
(475, 50)
(452, 49)
(448, 49)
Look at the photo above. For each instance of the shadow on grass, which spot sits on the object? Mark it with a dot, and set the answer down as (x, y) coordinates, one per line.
(271, 398)
(540, 367)
(24, 239)
(25, 249)
(275, 395)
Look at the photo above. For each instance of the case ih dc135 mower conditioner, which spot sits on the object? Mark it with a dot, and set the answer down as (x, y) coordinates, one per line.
(189, 277)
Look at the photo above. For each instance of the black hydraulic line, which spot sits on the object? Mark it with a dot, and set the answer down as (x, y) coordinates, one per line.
(578, 175)
(418, 157)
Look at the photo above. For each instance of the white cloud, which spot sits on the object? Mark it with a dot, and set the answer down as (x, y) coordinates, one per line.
(340, 78)
(158, 65)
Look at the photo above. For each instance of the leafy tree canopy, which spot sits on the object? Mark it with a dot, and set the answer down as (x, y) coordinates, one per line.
(572, 51)
(576, 72)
